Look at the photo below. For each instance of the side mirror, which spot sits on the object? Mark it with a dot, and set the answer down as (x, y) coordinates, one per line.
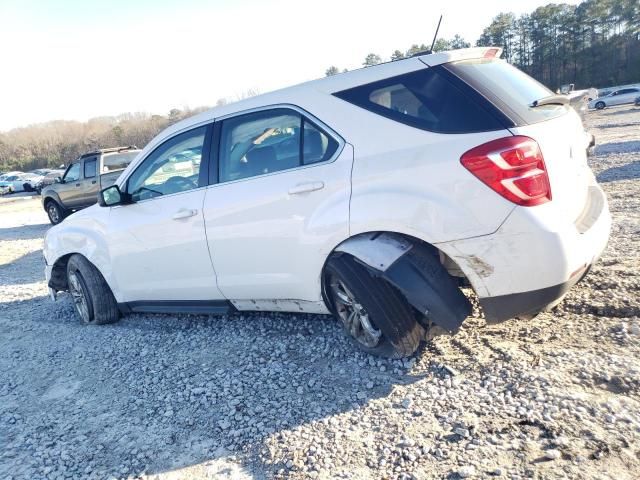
(110, 196)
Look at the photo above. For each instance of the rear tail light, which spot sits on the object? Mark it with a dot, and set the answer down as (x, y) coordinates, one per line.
(512, 167)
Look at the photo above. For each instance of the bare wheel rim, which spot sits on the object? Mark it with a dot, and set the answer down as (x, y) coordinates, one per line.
(53, 213)
(353, 315)
(79, 296)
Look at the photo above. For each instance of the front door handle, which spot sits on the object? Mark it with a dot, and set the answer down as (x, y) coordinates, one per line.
(184, 213)
(77, 184)
(306, 187)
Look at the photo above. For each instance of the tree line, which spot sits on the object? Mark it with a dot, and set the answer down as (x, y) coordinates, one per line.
(56, 143)
(593, 44)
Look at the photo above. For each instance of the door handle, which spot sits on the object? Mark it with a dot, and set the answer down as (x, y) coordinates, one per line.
(77, 184)
(93, 183)
(306, 187)
(184, 213)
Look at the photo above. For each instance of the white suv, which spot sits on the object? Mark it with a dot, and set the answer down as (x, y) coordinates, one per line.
(374, 195)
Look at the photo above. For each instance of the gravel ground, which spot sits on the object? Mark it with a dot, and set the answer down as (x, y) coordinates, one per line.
(287, 396)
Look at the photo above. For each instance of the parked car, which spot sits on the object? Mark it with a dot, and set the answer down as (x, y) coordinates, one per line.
(7, 180)
(617, 97)
(82, 180)
(27, 181)
(374, 195)
(48, 179)
(637, 102)
(34, 178)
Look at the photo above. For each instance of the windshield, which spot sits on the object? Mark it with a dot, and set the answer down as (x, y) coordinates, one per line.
(510, 89)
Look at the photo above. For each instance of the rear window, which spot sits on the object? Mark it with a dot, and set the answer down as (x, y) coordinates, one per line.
(427, 99)
(117, 161)
(509, 89)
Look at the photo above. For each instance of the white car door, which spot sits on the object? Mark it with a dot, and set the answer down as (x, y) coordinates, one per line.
(279, 205)
(157, 241)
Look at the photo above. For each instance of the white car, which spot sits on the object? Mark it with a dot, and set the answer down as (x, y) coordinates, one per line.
(8, 179)
(374, 195)
(29, 179)
(617, 97)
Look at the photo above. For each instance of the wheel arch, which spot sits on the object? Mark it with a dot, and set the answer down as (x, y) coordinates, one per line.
(84, 241)
(382, 250)
(51, 196)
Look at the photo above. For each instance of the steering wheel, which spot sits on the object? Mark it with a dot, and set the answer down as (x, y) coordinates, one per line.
(179, 184)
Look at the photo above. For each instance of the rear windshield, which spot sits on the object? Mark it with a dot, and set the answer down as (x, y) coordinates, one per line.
(117, 161)
(508, 88)
(430, 99)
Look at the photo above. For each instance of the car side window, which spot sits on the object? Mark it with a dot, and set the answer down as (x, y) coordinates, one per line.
(73, 173)
(317, 146)
(259, 143)
(90, 167)
(270, 141)
(172, 167)
(429, 100)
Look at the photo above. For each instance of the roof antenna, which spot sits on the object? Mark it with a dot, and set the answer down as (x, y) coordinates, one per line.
(435, 36)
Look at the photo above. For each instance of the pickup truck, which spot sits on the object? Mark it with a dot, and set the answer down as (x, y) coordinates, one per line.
(83, 179)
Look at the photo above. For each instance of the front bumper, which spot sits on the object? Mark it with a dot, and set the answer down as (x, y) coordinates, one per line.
(534, 258)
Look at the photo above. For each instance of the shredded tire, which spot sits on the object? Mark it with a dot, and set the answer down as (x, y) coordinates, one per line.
(387, 307)
(103, 305)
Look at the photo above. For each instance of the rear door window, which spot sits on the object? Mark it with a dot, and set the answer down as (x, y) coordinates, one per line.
(90, 167)
(270, 141)
(509, 89)
(428, 99)
(117, 161)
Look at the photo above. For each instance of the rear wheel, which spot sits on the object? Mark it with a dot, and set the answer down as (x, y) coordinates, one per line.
(92, 298)
(600, 105)
(375, 315)
(55, 212)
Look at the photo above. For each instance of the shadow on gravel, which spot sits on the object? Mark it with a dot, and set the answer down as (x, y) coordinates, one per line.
(159, 393)
(620, 111)
(21, 271)
(619, 125)
(630, 146)
(630, 171)
(25, 232)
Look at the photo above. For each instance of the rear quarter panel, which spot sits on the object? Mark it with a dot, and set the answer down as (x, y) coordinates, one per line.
(411, 181)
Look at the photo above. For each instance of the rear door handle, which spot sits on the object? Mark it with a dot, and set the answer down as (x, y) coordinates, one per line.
(184, 213)
(306, 187)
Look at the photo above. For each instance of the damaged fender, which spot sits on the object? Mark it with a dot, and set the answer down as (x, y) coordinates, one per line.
(416, 271)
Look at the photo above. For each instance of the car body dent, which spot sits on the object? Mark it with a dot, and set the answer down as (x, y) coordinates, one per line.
(531, 236)
(84, 234)
(281, 305)
(414, 268)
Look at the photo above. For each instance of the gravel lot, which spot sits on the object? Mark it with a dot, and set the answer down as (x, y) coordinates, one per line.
(287, 396)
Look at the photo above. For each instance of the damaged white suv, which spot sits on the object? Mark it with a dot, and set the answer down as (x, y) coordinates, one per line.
(374, 195)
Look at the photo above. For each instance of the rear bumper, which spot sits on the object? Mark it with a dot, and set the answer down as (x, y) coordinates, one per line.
(503, 307)
(534, 258)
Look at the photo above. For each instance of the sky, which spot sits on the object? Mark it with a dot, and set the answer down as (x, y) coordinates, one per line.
(77, 59)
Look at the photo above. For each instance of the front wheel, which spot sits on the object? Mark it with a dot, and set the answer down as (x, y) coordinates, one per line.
(92, 298)
(376, 317)
(600, 105)
(55, 212)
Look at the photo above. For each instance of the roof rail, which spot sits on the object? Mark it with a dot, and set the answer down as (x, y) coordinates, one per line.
(109, 150)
